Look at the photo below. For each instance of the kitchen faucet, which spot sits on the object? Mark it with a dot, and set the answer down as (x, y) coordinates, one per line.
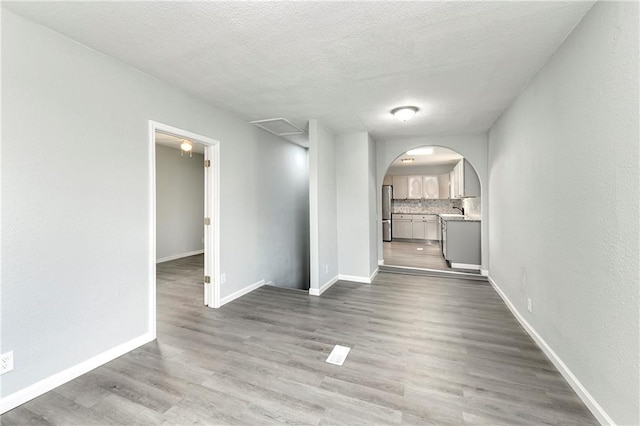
(461, 210)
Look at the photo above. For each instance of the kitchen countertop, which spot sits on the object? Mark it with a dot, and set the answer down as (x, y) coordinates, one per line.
(458, 218)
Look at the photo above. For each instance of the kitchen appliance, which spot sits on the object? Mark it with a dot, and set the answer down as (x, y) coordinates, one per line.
(387, 196)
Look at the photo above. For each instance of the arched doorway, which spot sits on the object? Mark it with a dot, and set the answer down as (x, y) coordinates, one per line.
(431, 212)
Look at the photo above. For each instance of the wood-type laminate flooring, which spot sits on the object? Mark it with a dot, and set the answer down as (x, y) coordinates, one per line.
(424, 350)
(424, 254)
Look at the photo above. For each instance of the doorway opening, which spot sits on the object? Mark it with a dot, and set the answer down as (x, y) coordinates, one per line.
(184, 215)
(431, 212)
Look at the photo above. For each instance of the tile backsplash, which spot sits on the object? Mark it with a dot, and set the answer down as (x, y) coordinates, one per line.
(425, 206)
(471, 206)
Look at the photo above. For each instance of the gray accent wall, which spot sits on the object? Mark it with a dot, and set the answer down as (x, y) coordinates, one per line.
(179, 203)
(564, 196)
(76, 193)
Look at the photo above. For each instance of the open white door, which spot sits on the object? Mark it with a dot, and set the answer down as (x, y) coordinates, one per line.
(211, 166)
(211, 227)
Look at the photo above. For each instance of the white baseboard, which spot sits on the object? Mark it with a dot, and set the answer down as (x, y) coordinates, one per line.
(484, 272)
(595, 408)
(354, 278)
(241, 292)
(10, 402)
(179, 256)
(380, 262)
(465, 266)
(325, 287)
(373, 276)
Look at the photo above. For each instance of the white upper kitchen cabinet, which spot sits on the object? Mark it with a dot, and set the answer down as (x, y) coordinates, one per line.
(443, 186)
(415, 187)
(465, 180)
(400, 187)
(430, 187)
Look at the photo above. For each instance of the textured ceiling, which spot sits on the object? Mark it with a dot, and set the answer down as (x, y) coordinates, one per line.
(345, 63)
(439, 156)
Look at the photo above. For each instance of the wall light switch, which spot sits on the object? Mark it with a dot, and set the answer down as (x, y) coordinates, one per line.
(223, 278)
(528, 304)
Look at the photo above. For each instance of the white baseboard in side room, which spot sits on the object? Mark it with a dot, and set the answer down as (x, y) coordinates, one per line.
(593, 406)
(380, 262)
(10, 402)
(325, 287)
(465, 266)
(179, 256)
(484, 272)
(241, 292)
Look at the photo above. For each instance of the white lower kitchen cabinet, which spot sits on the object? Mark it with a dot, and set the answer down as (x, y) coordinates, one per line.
(401, 226)
(414, 227)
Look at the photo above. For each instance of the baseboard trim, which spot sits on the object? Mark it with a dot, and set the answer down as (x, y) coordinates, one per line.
(325, 287)
(484, 272)
(179, 256)
(466, 266)
(354, 278)
(12, 401)
(380, 262)
(236, 294)
(373, 276)
(593, 406)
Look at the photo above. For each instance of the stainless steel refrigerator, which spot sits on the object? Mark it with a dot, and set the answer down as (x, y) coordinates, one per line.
(387, 196)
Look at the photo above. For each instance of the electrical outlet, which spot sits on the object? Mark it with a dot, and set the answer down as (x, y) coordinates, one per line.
(528, 304)
(223, 278)
(6, 362)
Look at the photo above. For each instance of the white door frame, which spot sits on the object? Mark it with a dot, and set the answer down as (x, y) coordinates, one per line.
(211, 210)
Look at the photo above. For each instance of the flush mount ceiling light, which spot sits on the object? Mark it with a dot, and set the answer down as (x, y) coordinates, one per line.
(404, 113)
(186, 146)
(420, 151)
(407, 160)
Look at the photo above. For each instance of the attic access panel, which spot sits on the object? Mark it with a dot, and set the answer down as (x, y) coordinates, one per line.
(278, 126)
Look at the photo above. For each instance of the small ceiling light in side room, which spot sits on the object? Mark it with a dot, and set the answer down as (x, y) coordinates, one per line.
(404, 113)
(186, 146)
(407, 160)
(420, 151)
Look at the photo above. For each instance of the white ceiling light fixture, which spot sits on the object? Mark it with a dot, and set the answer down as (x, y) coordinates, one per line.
(420, 151)
(186, 146)
(404, 113)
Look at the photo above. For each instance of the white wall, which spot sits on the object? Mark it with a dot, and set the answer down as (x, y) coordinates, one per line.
(564, 188)
(375, 194)
(471, 147)
(323, 207)
(76, 196)
(356, 198)
(179, 203)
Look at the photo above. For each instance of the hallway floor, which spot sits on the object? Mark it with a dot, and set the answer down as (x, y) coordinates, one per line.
(424, 350)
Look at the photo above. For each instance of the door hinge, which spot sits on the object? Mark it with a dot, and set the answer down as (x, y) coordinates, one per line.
(207, 279)
(207, 163)
(207, 221)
